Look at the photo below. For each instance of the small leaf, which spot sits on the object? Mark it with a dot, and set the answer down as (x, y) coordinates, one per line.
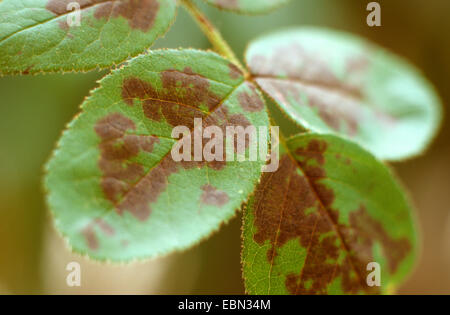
(248, 6)
(314, 225)
(330, 82)
(35, 35)
(113, 187)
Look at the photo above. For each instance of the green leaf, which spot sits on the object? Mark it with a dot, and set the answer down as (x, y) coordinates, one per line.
(331, 82)
(113, 187)
(35, 35)
(314, 225)
(248, 6)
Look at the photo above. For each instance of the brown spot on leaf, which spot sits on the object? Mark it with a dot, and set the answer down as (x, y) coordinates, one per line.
(235, 72)
(183, 97)
(294, 62)
(89, 232)
(347, 161)
(146, 191)
(221, 118)
(141, 14)
(90, 237)
(282, 213)
(227, 4)
(314, 151)
(124, 182)
(357, 68)
(371, 231)
(117, 149)
(59, 7)
(287, 192)
(311, 82)
(105, 227)
(251, 101)
(213, 197)
(289, 205)
(63, 25)
(333, 108)
(27, 70)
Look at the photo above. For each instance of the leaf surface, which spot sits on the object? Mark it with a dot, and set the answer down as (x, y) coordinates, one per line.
(331, 82)
(35, 35)
(114, 189)
(313, 226)
(248, 6)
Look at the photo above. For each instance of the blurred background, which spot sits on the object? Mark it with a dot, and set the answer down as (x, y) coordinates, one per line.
(35, 109)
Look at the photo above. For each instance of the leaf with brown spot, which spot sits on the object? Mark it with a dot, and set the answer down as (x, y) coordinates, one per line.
(332, 82)
(248, 6)
(313, 226)
(35, 36)
(112, 177)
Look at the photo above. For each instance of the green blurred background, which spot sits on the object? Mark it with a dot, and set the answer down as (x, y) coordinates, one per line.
(34, 110)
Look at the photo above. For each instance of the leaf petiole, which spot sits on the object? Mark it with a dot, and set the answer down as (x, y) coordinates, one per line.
(212, 33)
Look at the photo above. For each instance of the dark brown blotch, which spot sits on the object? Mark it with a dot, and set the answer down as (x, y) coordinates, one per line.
(333, 108)
(184, 96)
(90, 237)
(63, 25)
(370, 230)
(294, 62)
(141, 14)
(120, 174)
(105, 227)
(235, 71)
(213, 197)
(250, 100)
(291, 206)
(89, 232)
(59, 7)
(335, 99)
(227, 4)
(27, 70)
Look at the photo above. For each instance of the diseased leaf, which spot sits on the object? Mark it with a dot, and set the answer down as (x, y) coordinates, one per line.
(35, 35)
(248, 6)
(331, 82)
(314, 225)
(113, 187)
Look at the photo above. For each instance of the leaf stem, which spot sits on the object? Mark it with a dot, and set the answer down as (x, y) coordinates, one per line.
(212, 33)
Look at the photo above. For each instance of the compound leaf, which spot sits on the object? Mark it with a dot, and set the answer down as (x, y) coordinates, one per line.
(331, 82)
(248, 6)
(313, 226)
(45, 36)
(114, 189)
